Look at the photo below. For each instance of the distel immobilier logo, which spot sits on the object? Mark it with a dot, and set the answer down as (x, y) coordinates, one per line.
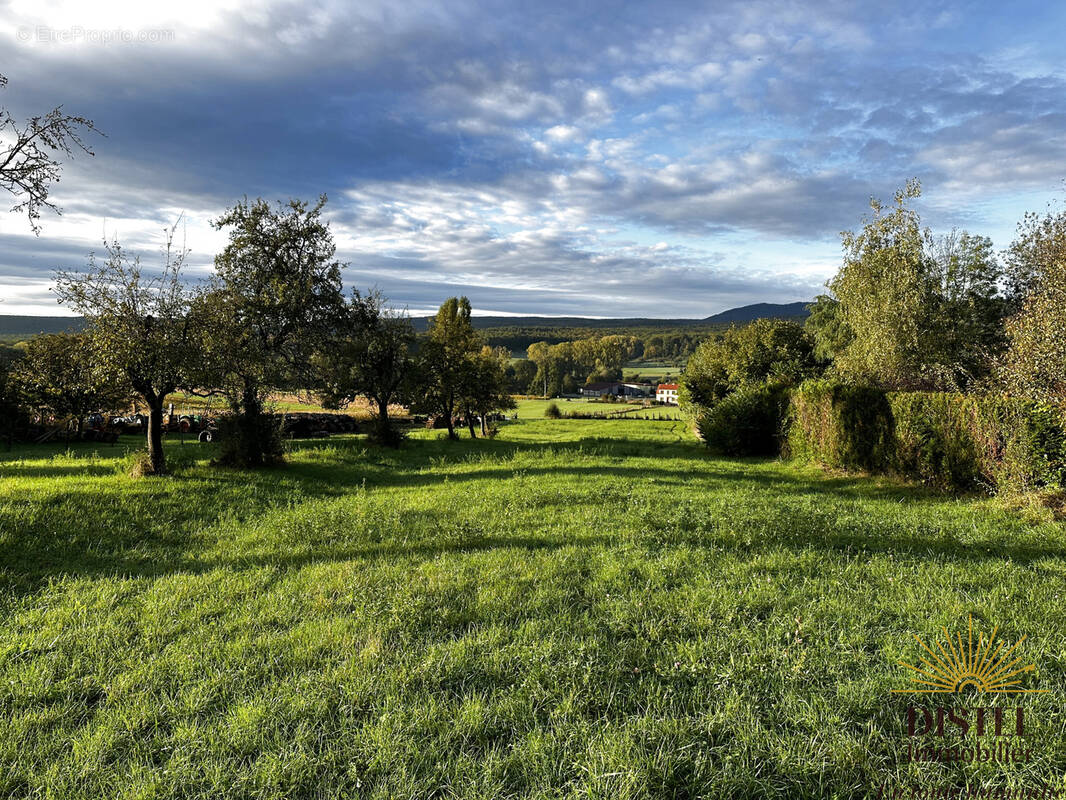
(967, 665)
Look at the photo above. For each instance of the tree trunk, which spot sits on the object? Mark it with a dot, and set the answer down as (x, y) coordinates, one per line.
(449, 416)
(470, 424)
(155, 436)
(250, 426)
(484, 427)
(384, 427)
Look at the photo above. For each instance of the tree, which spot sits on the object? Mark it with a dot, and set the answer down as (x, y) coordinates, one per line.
(141, 325)
(62, 373)
(29, 158)
(969, 309)
(825, 323)
(486, 387)
(1035, 254)
(1035, 363)
(885, 288)
(370, 357)
(275, 300)
(764, 350)
(446, 360)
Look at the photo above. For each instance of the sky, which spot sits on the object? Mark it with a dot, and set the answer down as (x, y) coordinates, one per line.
(584, 158)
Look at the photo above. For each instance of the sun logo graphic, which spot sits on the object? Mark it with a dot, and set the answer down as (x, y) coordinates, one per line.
(963, 664)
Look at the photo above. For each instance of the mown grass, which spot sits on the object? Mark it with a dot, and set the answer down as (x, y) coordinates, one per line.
(574, 609)
(535, 408)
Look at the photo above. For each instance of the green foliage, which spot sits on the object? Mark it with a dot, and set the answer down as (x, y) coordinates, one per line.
(923, 313)
(250, 439)
(369, 354)
(992, 442)
(826, 324)
(765, 350)
(552, 411)
(563, 367)
(62, 374)
(1035, 365)
(950, 441)
(457, 371)
(748, 422)
(841, 426)
(275, 302)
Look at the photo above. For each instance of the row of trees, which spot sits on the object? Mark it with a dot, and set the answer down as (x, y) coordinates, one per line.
(911, 311)
(563, 367)
(273, 316)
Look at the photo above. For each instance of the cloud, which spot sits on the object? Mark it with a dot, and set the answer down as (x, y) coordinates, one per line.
(541, 156)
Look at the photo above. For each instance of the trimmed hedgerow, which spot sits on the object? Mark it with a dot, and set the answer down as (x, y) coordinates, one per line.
(998, 443)
(748, 422)
(950, 441)
(848, 427)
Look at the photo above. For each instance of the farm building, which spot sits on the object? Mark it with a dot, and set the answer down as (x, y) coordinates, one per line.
(616, 388)
(667, 393)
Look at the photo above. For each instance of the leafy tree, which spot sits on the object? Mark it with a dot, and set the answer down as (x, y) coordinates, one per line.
(886, 288)
(142, 326)
(521, 375)
(968, 310)
(62, 374)
(447, 366)
(826, 324)
(372, 357)
(29, 156)
(487, 389)
(922, 313)
(1035, 364)
(1035, 254)
(276, 299)
(766, 349)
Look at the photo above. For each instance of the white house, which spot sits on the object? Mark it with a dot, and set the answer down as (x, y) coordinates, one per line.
(667, 393)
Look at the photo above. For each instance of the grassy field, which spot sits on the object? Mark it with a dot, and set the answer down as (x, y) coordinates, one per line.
(574, 609)
(534, 409)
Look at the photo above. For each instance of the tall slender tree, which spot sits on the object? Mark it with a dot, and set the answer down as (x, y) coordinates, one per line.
(446, 360)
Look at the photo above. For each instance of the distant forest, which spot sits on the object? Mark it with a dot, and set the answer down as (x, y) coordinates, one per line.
(664, 339)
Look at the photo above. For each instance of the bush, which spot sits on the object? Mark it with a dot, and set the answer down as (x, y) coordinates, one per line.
(553, 412)
(250, 441)
(748, 422)
(849, 427)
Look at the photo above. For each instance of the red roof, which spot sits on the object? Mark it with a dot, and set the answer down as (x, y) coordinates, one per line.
(667, 386)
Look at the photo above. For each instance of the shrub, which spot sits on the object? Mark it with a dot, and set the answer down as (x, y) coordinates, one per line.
(748, 422)
(553, 412)
(850, 427)
(250, 441)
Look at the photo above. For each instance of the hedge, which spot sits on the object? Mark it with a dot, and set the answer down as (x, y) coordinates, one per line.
(848, 427)
(951, 441)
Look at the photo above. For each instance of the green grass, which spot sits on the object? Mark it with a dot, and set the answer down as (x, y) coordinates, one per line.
(534, 409)
(574, 609)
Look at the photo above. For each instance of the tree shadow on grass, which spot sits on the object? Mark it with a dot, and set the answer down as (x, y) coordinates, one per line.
(150, 531)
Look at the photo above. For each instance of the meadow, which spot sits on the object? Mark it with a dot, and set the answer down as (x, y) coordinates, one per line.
(575, 608)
